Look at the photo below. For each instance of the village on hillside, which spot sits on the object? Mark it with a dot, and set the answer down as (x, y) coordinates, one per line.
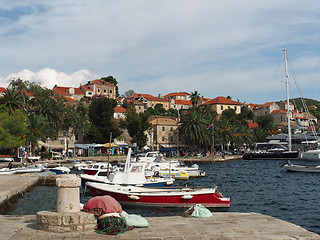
(163, 134)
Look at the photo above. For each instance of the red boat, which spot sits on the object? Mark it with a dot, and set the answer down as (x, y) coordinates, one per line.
(168, 197)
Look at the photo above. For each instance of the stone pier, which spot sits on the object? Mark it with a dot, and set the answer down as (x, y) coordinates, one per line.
(68, 217)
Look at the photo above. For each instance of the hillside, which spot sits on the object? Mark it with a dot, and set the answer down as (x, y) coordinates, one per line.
(309, 102)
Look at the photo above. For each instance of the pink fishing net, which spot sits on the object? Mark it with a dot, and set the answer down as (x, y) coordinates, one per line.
(104, 204)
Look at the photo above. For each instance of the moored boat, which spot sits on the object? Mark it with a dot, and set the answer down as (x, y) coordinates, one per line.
(301, 168)
(93, 168)
(167, 197)
(60, 170)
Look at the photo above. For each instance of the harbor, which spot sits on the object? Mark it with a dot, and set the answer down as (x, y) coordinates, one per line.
(245, 220)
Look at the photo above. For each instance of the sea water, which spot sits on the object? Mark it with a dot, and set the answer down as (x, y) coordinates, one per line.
(260, 186)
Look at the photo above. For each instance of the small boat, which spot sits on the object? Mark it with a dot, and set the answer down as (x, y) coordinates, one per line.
(60, 170)
(167, 197)
(80, 166)
(6, 158)
(29, 169)
(301, 168)
(7, 171)
(93, 168)
(176, 174)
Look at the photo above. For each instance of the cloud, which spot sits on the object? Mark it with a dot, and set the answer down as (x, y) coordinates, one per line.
(48, 77)
(215, 47)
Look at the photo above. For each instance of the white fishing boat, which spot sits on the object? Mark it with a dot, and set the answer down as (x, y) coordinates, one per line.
(301, 168)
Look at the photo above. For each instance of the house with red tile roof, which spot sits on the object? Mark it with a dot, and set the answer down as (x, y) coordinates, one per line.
(178, 96)
(180, 104)
(149, 100)
(119, 112)
(99, 87)
(266, 108)
(219, 104)
(280, 116)
(68, 92)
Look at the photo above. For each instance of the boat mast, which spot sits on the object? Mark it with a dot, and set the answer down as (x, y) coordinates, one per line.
(288, 110)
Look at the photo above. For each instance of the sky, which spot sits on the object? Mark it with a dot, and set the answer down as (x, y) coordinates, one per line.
(217, 48)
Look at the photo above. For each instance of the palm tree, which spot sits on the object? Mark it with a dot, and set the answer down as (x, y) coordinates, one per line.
(195, 97)
(37, 127)
(13, 100)
(193, 130)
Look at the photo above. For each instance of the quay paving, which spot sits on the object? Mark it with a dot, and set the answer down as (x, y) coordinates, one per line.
(227, 225)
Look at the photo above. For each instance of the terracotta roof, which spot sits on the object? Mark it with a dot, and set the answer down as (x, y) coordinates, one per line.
(281, 111)
(137, 95)
(70, 99)
(119, 109)
(86, 88)
(65, 90)
(183, 102)
(222, 100)
(267, 104)
(299, 117)
(158, 99)
(100, 81)
(177, 94)
(2, 89)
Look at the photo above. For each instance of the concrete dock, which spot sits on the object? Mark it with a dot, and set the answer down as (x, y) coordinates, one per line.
(225, 225)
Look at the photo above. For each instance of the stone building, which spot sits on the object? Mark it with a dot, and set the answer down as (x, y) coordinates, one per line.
(163, 133)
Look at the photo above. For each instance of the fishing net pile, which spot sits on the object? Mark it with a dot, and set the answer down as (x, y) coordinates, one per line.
(107, 210)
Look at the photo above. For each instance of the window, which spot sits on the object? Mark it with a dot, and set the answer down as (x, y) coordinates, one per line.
(98, 90)
(110, 91)
(221, 107)
(162, 139)
(162, 129)
(235, 108)
(89, 93)
(104, 90)
(228, 107)
(171, 129)
(171, 139)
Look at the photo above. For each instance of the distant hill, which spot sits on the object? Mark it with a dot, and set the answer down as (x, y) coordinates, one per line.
(309, 102)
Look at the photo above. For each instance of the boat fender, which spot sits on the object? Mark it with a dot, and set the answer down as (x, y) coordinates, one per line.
(169, 183)
(133, 197)
(187, 197)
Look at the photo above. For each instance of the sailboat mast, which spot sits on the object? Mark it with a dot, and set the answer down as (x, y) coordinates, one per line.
(287, 90)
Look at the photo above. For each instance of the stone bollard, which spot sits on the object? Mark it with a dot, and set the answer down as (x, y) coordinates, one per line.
(68, 217)
(68, 197)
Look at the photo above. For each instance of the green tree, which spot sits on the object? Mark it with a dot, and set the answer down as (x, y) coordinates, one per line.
(266, 122)
(101, 120)
(128, 93)
(137, 125)
(13, 129)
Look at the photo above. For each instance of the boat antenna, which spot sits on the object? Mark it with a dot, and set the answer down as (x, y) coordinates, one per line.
(288, 103)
